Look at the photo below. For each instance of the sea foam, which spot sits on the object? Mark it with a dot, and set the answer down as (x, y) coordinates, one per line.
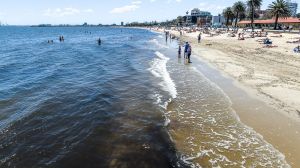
(159, 70)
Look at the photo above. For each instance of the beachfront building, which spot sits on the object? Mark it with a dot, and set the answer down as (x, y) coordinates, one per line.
(201, 18)
(218, 21)
(269, 23)
(293, 7)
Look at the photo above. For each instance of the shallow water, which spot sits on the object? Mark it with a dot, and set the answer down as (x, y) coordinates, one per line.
(127, 103)
(77, 104)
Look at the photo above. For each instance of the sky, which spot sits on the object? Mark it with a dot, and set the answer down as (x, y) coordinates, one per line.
(32, 12)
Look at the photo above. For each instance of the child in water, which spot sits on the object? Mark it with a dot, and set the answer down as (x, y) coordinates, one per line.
(179, 51)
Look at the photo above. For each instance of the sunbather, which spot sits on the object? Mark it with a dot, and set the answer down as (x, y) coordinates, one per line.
(297, 49)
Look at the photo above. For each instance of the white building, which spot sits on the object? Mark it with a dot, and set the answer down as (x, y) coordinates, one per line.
(201, 17)
(218, 20)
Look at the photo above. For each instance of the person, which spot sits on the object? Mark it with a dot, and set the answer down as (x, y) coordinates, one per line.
(297, 49)
(179, 51)
(189, 53)
(99, 41)
(167, 35)
(61, 38)
(241, 36)
(199, 38)
(267, 41)
(186, 46)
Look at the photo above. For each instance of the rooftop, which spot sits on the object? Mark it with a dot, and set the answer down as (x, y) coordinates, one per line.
(271, 21)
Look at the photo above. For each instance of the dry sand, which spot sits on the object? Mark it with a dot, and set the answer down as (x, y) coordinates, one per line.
(273, 72)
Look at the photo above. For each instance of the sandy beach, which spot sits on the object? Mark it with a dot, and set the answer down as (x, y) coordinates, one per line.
(269, 77)
(272, 72)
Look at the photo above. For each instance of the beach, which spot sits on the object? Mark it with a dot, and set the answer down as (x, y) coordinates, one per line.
(272, 72)
(131, 101)
(269, 77)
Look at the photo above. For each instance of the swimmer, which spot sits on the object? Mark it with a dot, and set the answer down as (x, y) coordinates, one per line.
(99, 41)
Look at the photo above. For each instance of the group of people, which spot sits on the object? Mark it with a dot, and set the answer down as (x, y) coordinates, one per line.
(62, 39)
(187, 52)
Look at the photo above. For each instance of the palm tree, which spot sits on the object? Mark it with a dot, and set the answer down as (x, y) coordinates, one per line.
(179, 20)
(253, 4)
(238, 9)
(279, 8)
(228, 14)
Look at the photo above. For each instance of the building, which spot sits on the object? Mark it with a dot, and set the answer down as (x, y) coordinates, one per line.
(218, 21)
(122, 23)
(293, 7)
(201, 18)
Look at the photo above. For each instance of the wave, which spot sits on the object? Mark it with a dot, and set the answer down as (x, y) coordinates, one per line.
(155, 41)
(159, 70)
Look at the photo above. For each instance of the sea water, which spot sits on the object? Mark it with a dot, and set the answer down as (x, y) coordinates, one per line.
(129, 102)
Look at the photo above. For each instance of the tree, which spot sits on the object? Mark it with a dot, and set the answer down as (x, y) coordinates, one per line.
(298, 15)
(228, 14)
(279, 8)
(238, 9)
(194, 19)
(179, 20)
(253, 4)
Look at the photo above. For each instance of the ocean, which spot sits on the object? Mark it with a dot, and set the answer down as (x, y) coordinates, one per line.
(130, 102)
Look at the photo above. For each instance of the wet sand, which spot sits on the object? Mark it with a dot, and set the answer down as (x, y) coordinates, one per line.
(278, 129)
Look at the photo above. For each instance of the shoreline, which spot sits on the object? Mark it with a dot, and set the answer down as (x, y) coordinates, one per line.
(270, 118)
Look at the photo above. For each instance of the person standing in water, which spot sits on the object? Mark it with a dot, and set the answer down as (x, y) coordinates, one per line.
(185, 49)
(189, 53)
(99, 41)
(167, 35)
(179, 51)
(61, 38)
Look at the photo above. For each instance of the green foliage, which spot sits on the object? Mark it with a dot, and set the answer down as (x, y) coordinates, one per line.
(279, 8)
(253, 5)
(239, 8)
(228, 14)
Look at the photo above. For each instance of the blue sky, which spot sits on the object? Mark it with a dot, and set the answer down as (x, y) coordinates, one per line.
(24, 12)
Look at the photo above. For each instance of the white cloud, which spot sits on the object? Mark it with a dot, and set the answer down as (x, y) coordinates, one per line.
(127, 8)
(88, 10)
(62, 12)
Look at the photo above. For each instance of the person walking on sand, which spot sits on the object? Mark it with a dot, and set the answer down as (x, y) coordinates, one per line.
(189, 53)
(199, 38)
(179, 51)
